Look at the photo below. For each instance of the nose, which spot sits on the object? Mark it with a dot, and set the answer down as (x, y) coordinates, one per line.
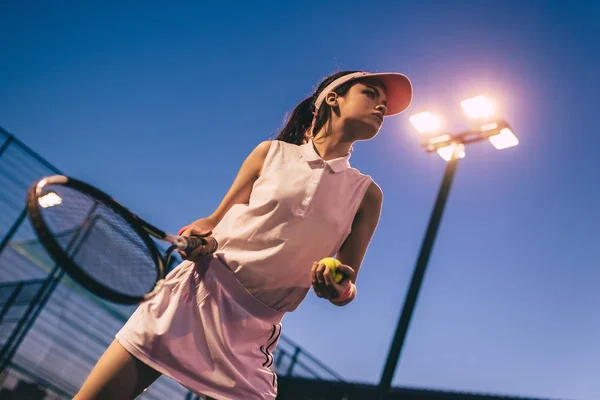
(382, 108)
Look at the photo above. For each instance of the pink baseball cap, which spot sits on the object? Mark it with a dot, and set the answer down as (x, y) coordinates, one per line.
(398, 88)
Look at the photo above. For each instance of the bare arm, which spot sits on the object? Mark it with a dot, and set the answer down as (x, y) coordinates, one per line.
(239, 192)
(365, 222)
(351, 253)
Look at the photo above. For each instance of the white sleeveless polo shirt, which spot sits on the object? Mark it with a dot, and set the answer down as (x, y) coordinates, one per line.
(300, 210)
(214, 325)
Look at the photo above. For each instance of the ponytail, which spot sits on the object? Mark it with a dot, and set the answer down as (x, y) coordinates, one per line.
(299, 125)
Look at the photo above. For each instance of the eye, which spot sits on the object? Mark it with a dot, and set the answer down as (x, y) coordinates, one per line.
(370, 93)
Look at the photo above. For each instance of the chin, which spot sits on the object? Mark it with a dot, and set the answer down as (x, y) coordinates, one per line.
(370, 136)
(365, 130)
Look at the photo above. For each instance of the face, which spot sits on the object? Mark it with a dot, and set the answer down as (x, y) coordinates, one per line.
(361, 110)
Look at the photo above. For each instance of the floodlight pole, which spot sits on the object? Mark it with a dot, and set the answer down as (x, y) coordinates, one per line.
(417, 279)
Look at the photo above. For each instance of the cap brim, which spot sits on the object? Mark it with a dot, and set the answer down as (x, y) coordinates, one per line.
(399, 91)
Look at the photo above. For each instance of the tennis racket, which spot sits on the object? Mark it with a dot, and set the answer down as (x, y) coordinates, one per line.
(99, 243)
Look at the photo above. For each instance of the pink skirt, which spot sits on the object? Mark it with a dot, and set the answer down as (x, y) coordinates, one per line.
(205, 331)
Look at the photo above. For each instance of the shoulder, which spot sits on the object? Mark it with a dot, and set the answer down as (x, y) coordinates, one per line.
(284, 150)
(256, 159)
(372, 192)
(261, 151)
(286, 146)
(353, 171)
(276, 145)
(373, 198)
(264, 147)
(272, 152)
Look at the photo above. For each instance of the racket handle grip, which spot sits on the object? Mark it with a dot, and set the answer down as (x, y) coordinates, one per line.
(190, 243)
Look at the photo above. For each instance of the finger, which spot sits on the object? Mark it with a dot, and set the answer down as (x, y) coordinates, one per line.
(331, 289)
(320, 270)
(342, 287)
(317, 291)
(193, 245)
(319, 288)
(201, 250)
(328, 283)
(198, 252)
(328, 278)
(193, 232)
(187, 232)
(347, 271)
(313, 273)
(198, 232)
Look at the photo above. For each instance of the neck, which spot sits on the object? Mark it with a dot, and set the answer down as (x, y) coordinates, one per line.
(330, 143)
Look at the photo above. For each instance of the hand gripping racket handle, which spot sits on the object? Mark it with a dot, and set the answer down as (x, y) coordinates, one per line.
(188, 244)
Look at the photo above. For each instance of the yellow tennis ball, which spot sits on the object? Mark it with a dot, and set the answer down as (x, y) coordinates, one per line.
(332, 264)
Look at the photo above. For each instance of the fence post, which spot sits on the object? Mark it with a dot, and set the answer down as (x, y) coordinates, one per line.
(42, 297)
(9, 139)
(293, 361)
(15, 226)
(11, 300)
(12, 230)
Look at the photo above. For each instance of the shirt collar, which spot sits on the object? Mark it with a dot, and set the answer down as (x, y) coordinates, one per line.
(337, 164)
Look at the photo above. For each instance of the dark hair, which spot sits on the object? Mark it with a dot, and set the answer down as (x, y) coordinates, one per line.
(300, 120)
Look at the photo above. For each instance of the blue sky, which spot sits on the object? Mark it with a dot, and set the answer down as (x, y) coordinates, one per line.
(142, 99)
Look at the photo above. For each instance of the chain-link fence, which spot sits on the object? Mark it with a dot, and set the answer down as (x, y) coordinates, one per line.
(52, 331)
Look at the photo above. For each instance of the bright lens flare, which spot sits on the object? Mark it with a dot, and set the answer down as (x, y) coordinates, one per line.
(50, 199)
(478, 107)
(456, 150)
(426, 122)
(505, 139)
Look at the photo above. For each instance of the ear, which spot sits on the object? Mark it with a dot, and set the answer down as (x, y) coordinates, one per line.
(332, 99)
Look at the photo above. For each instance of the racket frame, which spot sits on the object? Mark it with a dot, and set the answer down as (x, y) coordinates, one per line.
(60, 257)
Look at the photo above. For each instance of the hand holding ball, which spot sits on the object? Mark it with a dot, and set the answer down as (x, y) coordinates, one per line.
(332, 264)
(332, 279)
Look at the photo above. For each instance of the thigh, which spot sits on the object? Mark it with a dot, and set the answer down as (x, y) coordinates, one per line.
(117, 375)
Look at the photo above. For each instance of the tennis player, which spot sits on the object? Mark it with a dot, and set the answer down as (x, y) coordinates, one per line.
(296, 199)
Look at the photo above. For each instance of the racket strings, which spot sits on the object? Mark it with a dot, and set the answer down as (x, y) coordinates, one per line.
(100, 242)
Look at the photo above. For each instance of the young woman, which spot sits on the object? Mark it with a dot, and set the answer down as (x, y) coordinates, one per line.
(295, 200)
